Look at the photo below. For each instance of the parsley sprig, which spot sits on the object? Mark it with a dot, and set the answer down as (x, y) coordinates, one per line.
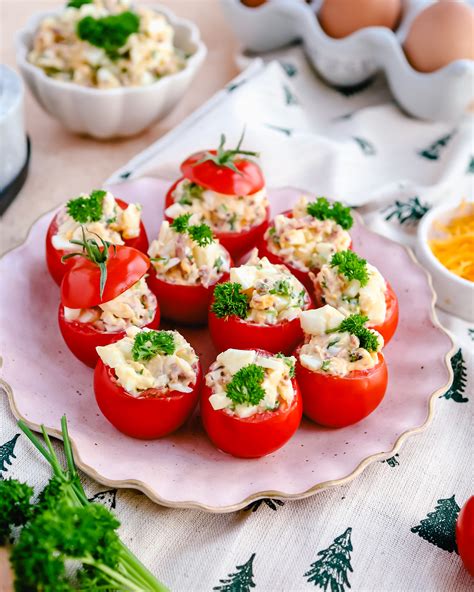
(226, 158)
(230, 301)
(355, 325)
(200, 233)
(322, 209)
(109, 32)
(78, 3)
(351, 266)
(86, 209)
(97, 254)
(245, 388)
(148, 344)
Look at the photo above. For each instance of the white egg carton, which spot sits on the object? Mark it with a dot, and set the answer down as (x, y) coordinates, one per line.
(445, 94)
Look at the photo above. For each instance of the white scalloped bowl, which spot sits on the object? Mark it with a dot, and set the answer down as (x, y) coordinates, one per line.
(455, 294)
(117, 112)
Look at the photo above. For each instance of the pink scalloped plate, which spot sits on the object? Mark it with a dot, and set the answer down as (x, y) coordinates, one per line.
(43, 381)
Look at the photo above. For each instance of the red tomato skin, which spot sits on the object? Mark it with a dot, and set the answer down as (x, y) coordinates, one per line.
(237, 243)
(389, 326)
(181, 303)
(145, 417)
(222, 179)
(340, 401)
(83, 338)
(465, 535)
(236, 333)
(80, 287)
(57, 268)
(255, 436)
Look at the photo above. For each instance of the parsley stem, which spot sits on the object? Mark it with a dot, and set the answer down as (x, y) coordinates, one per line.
(34, 440)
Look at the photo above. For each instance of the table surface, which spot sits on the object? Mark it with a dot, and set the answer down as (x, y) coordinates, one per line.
(85, 162)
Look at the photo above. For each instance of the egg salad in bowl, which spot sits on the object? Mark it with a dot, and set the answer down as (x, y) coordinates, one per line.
(106, 44)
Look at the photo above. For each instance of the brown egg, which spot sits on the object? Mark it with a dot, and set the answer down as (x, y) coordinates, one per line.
(253, 3)
(340, 18)
(440, 34)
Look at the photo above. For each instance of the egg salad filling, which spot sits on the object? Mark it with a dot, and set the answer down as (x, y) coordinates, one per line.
(353, 286)
(338, 345)
(134, 307)
(260, 292)
(223, 213)
(147, 359)
(100, 216)
(312, 234)
(187, 253)
(245, 383)
(105, 44)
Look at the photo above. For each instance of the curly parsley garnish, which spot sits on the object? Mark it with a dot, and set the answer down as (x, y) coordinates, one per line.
(200, 233)
(351, 266)
(229, 301)
(78, 3)
(109, 32)
(148, 344)
(355, 325)
(289, 361)
(322, 209)
(226, 158)
(86, 209)
(245, 388)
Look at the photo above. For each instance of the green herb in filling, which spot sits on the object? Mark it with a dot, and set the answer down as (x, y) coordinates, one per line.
(229, 301)
(86, 209)
(245, 388)
(148, 344)
(322, 209)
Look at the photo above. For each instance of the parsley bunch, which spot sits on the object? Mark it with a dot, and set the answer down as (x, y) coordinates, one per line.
(67, 542)
(148, 344)
(351, 266)
(322, 209)
(355, 325)
(229, 301)
(200, 233)
(226, 158)
(245, 388)
(86, 209)
(109, 32)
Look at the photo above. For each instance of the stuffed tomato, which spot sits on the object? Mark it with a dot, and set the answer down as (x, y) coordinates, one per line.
(147, 383)
(258, 308)
(102, 295)
(225, 189)
(101, 215)
(306, 237)
(250, 404)
(340, 368)
(186, 264)
(353, 286)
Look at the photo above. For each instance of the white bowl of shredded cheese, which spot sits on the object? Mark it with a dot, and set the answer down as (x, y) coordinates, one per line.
(445, 249)
(108, 91)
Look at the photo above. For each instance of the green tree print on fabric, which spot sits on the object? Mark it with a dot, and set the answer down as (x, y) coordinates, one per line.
(290, 69)
(459, 380)
(366, 146)
(392, 461)
(470, 332)
(433, 151)
(334, 563)
(439, 527)
(470, 168)
(407, 212)
(283, 130)
(241, 580)
(290, 98)
(108, 498)
(6, 453)
(267, 501)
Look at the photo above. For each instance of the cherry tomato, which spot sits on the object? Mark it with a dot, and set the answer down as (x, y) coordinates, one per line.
(303, 276)
(83, 338)
(465, 535)
(187, 304)
(80, 287)
(254, 436)
(152, 415)
(388, 327)
(237, 333)
(339, 401)
(237, 243)
(57, 268)
(221, 179)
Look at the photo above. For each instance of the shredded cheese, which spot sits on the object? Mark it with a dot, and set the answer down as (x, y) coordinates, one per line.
(455, 246)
